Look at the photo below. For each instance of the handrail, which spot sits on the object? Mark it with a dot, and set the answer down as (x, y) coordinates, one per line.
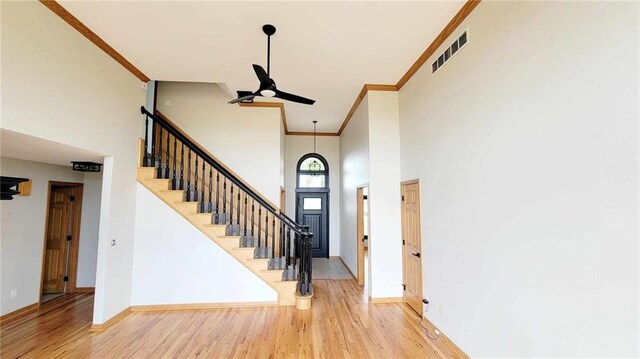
(198, 151)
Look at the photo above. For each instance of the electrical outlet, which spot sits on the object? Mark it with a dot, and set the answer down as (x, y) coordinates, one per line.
(14, 293)
(441, 310)
(113, 242)
(144, 86)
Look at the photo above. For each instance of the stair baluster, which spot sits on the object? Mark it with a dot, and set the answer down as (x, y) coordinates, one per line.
(181, 184)
(166, 167)
(189, 176)
(266, 230)
(230, 222)
(159, 164)
(273, 239)
(210, 203)
(238, 213)
(195, 181)
(288, 248)
(245, 216)
(202, 198)
(281, 242)
(145, 158)
(217, 196)
(174, 179)
(259, 225)
(224, 200)
(253, 209)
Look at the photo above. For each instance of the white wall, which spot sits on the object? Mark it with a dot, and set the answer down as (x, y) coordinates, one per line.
(89, 230)
(329, 148)
(370, 155)
(354, 166)
(246, 139)
(81, 97)
(526, 147)
(175, 263)
(385, 235)
(23, 222)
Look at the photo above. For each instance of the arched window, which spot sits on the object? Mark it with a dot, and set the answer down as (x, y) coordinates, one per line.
(312, 171)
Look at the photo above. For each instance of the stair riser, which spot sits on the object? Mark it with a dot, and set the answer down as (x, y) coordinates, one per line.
(174, 196)
(146, 173)
(158, 184)
(187, 207)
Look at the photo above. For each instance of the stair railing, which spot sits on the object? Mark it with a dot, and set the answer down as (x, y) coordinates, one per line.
(230, 201)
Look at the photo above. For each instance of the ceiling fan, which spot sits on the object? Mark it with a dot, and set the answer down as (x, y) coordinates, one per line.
(267, 85)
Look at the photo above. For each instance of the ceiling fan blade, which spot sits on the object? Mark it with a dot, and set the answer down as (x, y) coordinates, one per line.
(294, 98)
(262, 75)
(243, 98)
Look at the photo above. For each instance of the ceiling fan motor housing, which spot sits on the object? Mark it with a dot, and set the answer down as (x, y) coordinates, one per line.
(269, 29)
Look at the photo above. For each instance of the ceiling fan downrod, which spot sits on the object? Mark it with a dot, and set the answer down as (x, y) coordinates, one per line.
(269, 30)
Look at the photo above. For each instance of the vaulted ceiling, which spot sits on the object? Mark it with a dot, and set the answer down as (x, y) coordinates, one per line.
(322, 50)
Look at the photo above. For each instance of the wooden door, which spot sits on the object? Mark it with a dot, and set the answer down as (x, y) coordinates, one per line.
(56, 244)
(412, 245)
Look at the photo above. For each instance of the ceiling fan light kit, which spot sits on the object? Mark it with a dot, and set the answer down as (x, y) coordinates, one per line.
(267, 85)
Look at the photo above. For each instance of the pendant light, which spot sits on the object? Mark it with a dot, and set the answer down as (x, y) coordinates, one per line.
(314, 166)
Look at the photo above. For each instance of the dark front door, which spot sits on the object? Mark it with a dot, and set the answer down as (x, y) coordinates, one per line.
(312, 209)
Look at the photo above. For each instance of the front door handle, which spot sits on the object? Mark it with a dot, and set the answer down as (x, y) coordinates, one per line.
(417, 254)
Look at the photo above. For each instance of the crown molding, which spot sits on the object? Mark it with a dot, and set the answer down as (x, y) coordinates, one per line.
(462, 14)
(86, 32)
(366, 88)
(457, 19)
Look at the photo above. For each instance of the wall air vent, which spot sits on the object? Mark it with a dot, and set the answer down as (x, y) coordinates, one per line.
(449, 52)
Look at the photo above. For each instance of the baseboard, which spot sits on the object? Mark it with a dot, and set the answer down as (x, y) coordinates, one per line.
(346, 266)
(109, 323)
(85, 289)
(386, 300)
(445, 339)
(19, 313)
(195, 306)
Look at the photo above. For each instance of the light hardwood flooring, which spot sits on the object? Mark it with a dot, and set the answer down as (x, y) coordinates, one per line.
(341, 324)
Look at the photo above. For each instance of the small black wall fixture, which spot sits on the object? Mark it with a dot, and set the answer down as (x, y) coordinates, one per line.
(84, 166)
(9, 187)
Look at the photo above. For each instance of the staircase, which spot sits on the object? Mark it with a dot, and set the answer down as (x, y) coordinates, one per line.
(227, 210)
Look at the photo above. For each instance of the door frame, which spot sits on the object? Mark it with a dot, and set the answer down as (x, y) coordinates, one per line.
(74, 246)
(360, 232)
(326, 208)
(404, 274)
(283, 199)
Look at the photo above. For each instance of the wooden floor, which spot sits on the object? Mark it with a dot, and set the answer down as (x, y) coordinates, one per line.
(341, 324)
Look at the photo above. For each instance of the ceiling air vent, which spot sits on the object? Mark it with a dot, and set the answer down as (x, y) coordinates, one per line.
(449, 52)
